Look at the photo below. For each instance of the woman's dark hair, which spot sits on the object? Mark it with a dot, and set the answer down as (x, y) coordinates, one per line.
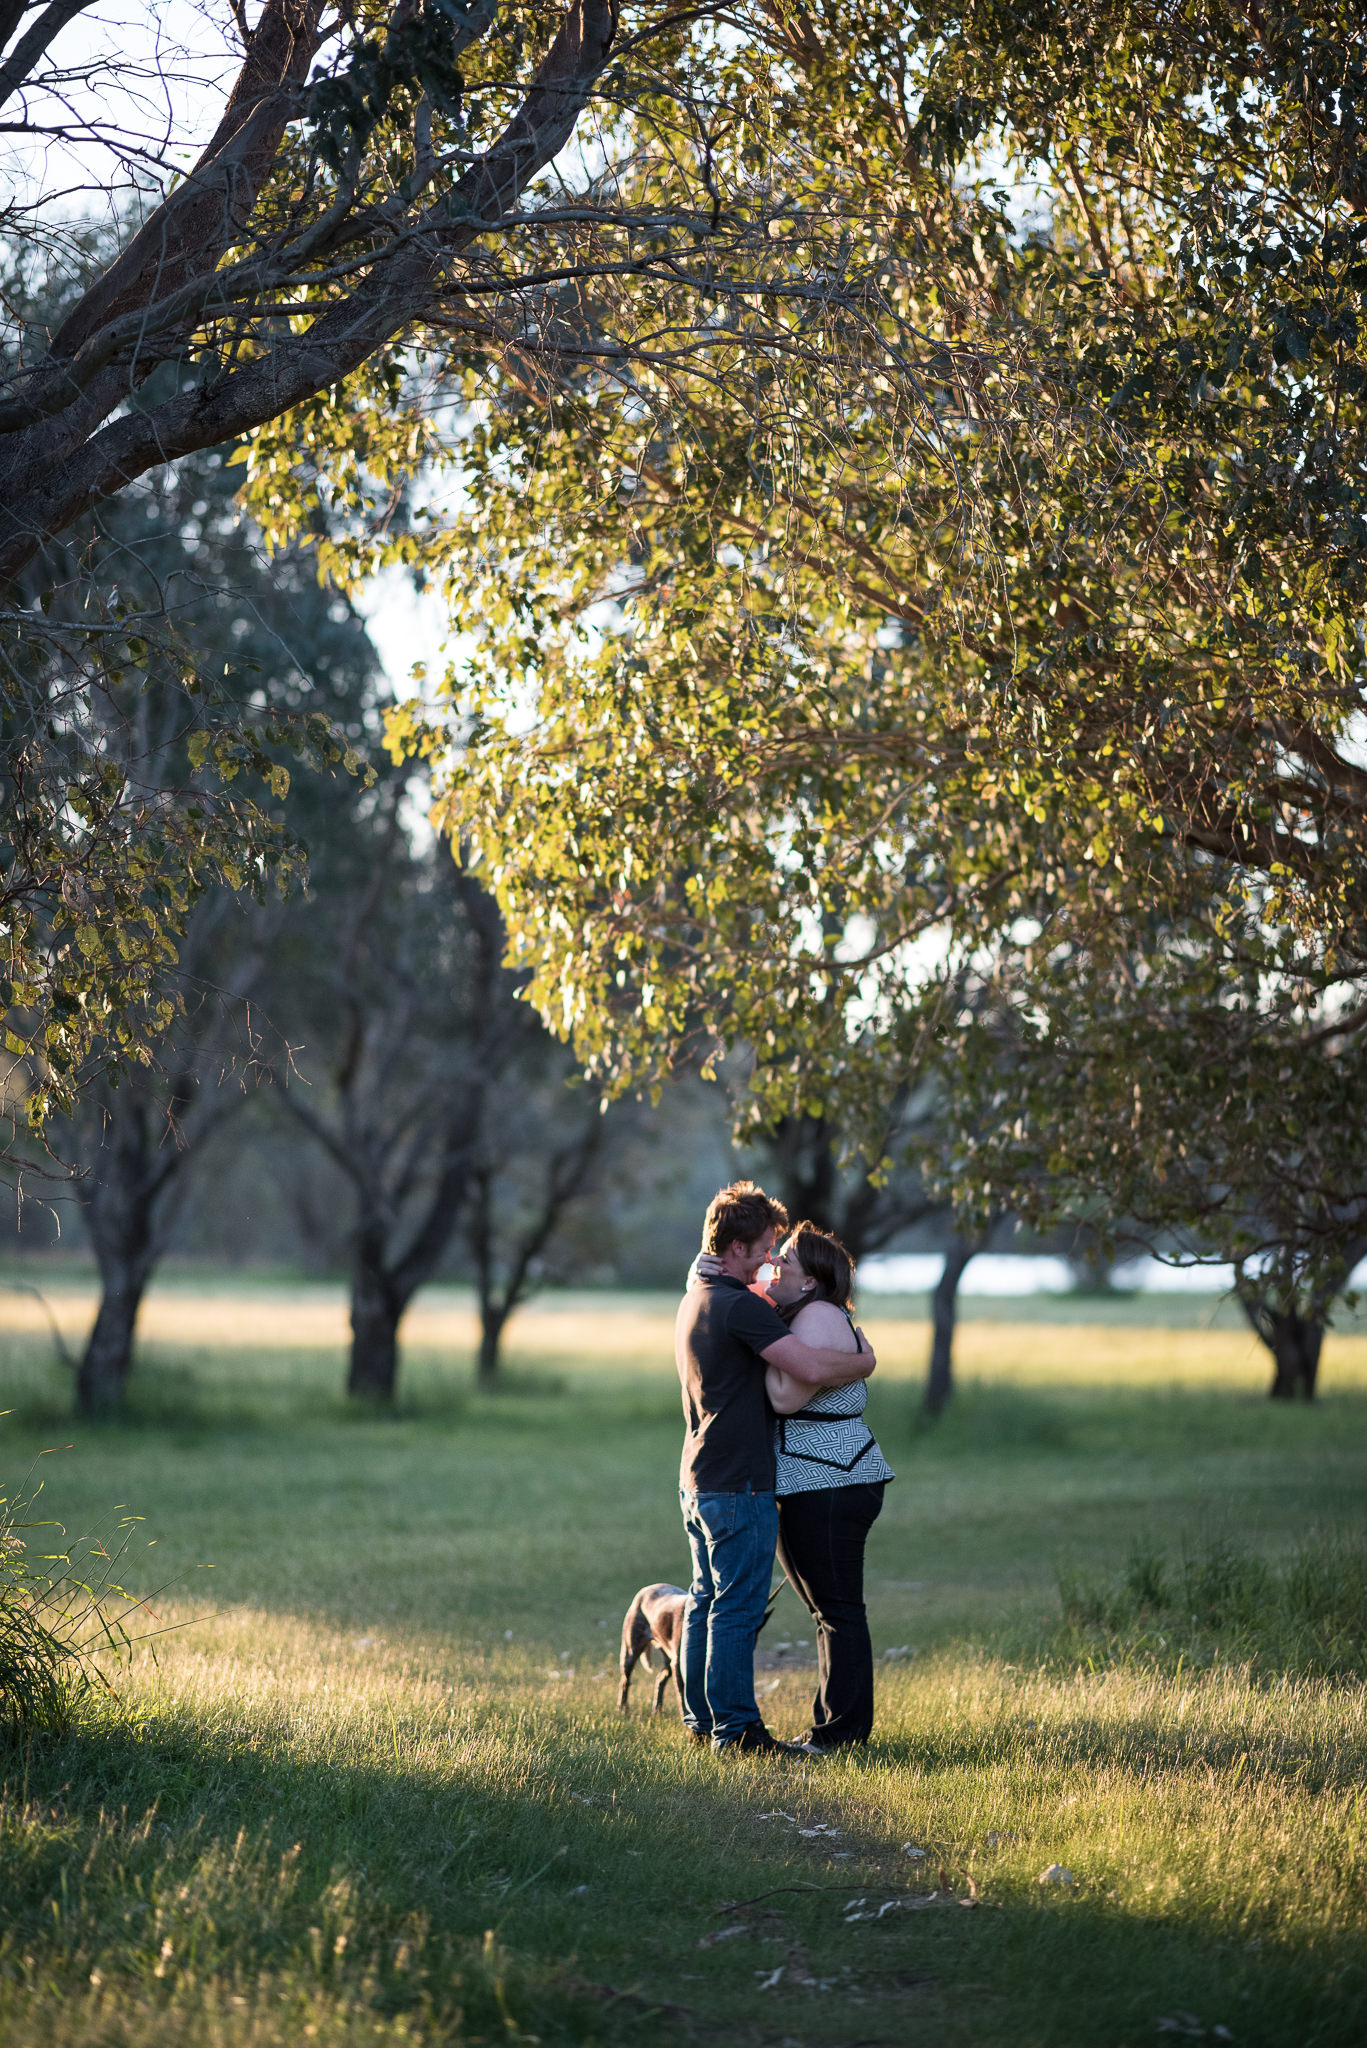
(823, 1258)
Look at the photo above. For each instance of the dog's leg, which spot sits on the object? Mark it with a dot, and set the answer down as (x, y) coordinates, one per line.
(678, 1684)
(630, 1652)
(661, 1682)
(628, 1666)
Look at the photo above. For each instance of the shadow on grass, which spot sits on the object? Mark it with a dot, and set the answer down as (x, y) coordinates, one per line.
(184, 1865)
(183, 1868)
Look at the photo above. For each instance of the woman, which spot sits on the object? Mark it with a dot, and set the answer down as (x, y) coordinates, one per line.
(831, 1476)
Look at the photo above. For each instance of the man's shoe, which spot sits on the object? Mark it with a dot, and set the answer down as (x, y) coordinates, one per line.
(755, 1741)
(701, 1738)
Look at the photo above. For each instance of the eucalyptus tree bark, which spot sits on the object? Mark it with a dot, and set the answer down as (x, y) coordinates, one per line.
(493, 1318)
(403, 1064)
(383, 1285)
(802, 1151)
(1296, 1347)
(1291, 1315)
(133, 1145)
(865, 1215)
(120, 1203)
(389, 1264)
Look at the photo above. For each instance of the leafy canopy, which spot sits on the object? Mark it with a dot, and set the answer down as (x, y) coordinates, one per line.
(967, 645)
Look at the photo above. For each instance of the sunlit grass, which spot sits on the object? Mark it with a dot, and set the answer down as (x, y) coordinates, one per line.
(241, 1330)
(382, 1791)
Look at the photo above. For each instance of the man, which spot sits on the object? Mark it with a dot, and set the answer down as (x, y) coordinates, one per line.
(724, 1337)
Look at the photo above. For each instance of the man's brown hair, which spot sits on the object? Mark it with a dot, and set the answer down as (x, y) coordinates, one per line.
(740, 1214)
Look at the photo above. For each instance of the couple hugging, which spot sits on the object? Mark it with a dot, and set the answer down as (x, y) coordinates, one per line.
(776, 1456)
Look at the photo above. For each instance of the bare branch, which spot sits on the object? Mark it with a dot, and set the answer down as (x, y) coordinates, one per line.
(31, 47)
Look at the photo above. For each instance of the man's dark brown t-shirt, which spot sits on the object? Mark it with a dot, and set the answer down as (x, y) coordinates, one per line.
(719, 1333)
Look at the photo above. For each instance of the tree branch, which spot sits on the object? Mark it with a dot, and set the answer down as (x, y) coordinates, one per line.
(30, 48)
(40, 499)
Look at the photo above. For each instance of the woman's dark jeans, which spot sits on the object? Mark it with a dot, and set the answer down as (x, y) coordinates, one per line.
(821, 1538)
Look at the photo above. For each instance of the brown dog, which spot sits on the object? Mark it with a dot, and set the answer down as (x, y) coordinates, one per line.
(654, 1621)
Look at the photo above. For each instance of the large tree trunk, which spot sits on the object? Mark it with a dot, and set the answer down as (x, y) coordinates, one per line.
(102, 1376)
(803, 1153)
(567, 1171)
(1294, 1339)
(119, 1198)
(383, 1281)
(492, 1323)
(1295, 1347)
(804, 1156)
(376, 1311)
(944, 1309)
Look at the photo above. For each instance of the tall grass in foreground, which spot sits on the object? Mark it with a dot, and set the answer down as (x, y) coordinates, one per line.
(174, 1933)
(57, 1614)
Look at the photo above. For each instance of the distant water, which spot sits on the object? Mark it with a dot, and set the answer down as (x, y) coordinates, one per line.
(1008, 1273)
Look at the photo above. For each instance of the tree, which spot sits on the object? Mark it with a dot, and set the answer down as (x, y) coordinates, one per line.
(387, 988)
(131, 1145)
(118, 814)
(1126, 1088)
(1291, 1328)
(381, 216)
(944, 1309)
(884, 705)
(440, 1098)
(336, 203)
(279, 639)
(124, 753)
(863, 1208)
(541, 1145)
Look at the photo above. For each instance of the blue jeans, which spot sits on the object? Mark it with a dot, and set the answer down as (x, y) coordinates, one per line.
(732, 1537)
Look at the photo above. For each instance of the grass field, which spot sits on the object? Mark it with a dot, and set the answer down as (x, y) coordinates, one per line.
(382, 1793)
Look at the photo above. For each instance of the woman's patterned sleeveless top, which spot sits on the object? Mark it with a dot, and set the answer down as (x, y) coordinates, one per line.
(828, 1443)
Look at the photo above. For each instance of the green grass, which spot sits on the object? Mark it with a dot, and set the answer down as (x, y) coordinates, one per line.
(383, 1793)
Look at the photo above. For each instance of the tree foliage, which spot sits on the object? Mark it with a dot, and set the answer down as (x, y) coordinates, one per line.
(1000, 687)
(385, 985)
(139, 773)
(378, 180)
(281, 647)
